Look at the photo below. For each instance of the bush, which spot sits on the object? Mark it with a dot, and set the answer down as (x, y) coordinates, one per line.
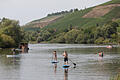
(7, 41)
(70, 37)
(99, 40)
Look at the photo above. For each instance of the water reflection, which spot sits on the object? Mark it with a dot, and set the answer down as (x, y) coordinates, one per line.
(14, 61)
(66, 74)
(100, 59)
(55, 68)
(9, 67)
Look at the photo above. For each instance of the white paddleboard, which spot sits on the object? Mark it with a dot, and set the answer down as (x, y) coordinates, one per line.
(12, 56)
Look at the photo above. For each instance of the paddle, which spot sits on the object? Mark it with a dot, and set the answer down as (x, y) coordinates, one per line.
(73, 63)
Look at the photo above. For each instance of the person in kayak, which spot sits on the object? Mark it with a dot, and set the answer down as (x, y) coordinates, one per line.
(65, 58)
(55, 55)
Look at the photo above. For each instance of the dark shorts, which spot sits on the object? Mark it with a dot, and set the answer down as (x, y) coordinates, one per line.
(65, 59)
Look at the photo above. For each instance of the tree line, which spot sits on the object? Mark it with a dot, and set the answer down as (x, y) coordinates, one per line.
(63, 12)
(109, 33)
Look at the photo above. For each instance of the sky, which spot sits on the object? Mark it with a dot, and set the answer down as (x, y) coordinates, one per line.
(29, 10)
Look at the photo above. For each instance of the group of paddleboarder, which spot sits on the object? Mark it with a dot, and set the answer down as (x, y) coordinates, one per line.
(65, 55)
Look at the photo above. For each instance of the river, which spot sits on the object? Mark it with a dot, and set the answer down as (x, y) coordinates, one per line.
(36, 64)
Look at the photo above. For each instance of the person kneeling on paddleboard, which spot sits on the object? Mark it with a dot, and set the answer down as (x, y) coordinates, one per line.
(65, 58)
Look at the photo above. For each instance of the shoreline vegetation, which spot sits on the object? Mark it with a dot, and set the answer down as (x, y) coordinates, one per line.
(106, 34)
(11, 33)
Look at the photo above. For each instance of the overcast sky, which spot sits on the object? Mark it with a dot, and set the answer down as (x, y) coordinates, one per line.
(28, 10)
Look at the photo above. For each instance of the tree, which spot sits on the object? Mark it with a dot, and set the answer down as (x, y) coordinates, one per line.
(76, 10)
(59, 38)
(99, 40)
(70, 37)
(109, 29)
(71, 10)
(45, 35)
(14, 31)
(39, 39)
(7, 41)
(10, 29)
(80, 38)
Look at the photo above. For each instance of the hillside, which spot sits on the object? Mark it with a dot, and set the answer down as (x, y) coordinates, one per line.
(99, 24)
(93, 16)
(90, 17)
(100, 11)
(40, 23)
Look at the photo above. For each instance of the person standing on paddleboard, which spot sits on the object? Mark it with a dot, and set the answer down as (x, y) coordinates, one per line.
(65, 58)
(55, 55)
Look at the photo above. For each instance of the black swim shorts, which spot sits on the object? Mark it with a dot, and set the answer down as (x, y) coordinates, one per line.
(65, 59)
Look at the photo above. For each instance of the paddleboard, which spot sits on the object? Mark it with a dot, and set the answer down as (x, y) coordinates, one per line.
(18, 49)
(66, 66)
(54, 62)
(12, 56)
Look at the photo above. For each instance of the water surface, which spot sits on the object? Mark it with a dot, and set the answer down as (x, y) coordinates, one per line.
(36, 64)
